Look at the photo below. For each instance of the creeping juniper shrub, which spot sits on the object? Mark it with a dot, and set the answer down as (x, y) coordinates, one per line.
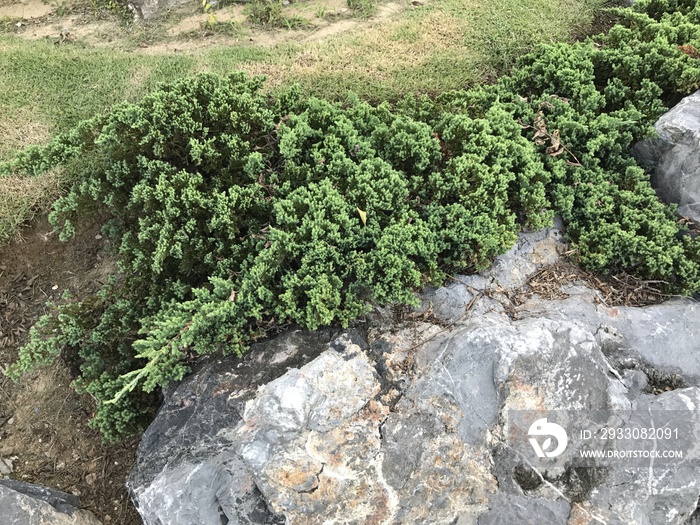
(233, 212)
(604, 95)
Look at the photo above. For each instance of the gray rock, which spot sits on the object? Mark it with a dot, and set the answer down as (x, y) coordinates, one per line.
(6, 466)
(188, 467)
(695, 517)
(423, 423)
(531, 252)
(449, 303)
(660, 339)
(521, 509)
(509, 271)
(667, 492)
(673, 157)
(312, 439)
(666, 336)
(61, 501)
(29, 504)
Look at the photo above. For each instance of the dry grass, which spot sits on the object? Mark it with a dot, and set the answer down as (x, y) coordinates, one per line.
(22, 198)
(417, 53)
(19, 128)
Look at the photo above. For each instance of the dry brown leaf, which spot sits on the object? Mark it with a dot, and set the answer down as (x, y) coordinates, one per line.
(689, 50)
(557, 152)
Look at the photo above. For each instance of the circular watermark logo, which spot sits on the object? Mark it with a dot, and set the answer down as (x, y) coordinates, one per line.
(543, 428)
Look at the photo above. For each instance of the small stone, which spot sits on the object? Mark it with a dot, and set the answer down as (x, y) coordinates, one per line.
(6, 467)
(98, 237)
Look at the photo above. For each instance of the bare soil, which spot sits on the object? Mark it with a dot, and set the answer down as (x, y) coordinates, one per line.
(44, 432)
(185, 29)
(27, 9)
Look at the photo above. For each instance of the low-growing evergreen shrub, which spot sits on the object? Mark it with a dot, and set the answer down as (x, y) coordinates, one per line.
(233, 213)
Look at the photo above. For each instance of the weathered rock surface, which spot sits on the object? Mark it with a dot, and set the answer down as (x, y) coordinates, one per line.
(521, 509)
(673, 156)
(28, 504)
(417, 422)
(190, 470)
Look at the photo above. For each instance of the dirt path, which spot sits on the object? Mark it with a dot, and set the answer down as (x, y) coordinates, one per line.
(28, 9)
(188, 28)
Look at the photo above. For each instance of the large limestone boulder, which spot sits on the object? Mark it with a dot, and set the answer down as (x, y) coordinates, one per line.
(190, 465)
(28, 504)
(420, 421)
(674, 157)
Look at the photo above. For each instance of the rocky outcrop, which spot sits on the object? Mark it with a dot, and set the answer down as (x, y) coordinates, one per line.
(673, 157)
(190, 468)
(28, 504)
(427, 418)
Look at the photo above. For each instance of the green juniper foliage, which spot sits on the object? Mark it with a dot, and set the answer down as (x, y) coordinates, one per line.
(233, 212)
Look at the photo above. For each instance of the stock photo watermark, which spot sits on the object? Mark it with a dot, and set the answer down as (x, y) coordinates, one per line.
(599, 437)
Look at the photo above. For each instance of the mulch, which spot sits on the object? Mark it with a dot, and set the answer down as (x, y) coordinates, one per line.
(619, 289)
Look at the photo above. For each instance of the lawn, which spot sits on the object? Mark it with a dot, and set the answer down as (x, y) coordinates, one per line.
(47, 88)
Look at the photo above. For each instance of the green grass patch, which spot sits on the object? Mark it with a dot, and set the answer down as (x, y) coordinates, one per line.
(363, 8)
(270, 14)
(502, 31)
(63, 85)
(448, 44)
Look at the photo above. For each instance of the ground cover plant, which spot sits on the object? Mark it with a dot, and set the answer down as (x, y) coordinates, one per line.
(234, 211)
